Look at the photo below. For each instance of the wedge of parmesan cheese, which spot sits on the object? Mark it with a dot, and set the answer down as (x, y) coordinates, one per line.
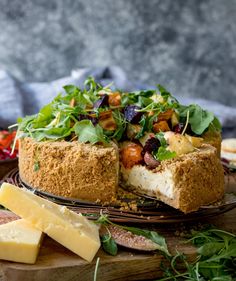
(19, 241)
(72, 230)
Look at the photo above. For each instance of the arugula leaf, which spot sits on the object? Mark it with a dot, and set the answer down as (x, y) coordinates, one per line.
(216, 260)
(109, 245)
(167, 96)
(215, 125)
(161, 138)
(164, 93)
(199, 119)
(87, 132)
(164, 154)
(121, 124)
(139, 98)
(209, 249)
(51, 133)
(82, 98)
(71, 89)
(44, 116)
(146, 123)
(26, 122)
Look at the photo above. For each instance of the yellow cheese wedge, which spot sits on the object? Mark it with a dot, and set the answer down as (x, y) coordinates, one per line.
(72, 230)
(19, 241)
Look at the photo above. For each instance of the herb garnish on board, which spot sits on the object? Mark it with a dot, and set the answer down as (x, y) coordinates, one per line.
(216, 259)
(215, 248)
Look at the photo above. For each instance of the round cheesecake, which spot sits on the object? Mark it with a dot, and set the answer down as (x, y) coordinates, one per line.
(70, 169)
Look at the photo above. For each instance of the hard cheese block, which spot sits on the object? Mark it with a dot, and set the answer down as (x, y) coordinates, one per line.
(72, 230)
(19, 241)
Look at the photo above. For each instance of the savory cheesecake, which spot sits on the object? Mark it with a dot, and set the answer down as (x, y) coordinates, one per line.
(187, 182)
(70, 169)
(85, 142)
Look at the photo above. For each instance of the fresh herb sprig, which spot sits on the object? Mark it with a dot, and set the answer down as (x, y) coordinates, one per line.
(216, 259)
(163, 153)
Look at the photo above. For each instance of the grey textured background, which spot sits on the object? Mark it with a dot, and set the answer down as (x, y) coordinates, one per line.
(188, 46)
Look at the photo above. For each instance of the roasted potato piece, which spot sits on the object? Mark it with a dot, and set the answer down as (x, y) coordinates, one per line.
(174, 119)
(195, 141)
(131, 154)
(178, 143)
(114, 99)
(165, 115)
(132, 130)
(161, 126)
(107, 121)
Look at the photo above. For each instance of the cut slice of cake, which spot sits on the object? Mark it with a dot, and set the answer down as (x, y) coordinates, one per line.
(186, 182)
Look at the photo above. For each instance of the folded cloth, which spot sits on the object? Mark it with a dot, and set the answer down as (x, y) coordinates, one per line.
(18, 98)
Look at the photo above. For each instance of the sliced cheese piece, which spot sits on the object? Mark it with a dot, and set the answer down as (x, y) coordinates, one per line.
(19, 241)
(72, 230)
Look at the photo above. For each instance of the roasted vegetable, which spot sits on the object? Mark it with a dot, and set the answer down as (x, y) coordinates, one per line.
(132, 130)
(132, 114)
(107, 121)
(150, 161)
(161, 126)
(114, 99)
(151, 145)
(165, 115)
(102, 102)
(131, 154)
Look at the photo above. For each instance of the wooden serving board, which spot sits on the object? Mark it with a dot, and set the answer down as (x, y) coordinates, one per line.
(57, 263)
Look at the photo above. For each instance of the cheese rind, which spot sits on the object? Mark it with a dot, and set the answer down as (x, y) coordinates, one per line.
(19, 241)
(72, 230)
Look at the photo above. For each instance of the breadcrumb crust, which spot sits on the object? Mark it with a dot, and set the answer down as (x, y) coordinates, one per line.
(70, 169)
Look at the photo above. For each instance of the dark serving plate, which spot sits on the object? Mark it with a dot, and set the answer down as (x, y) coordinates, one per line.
(7, 165)
(147, 209)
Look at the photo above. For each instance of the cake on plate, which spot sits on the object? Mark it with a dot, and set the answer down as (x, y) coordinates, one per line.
(87, 141)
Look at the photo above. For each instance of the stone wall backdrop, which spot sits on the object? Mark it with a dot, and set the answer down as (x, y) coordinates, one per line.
(188, 46)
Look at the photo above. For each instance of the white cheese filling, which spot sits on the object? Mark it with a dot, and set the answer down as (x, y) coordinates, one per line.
(140, 177)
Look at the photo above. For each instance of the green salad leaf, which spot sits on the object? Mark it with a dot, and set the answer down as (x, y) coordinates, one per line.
(68, 116)
(87, 132)
(215, 262)
(109, 245)
(163, 153)
(146, 123)
(199, 119)
(139, 98)
(121, 124)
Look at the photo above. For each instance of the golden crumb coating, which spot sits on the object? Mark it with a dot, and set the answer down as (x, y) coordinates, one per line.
(70, 169)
